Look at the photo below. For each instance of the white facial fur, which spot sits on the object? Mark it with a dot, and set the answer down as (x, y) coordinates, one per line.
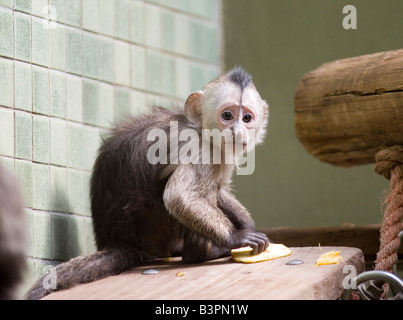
(220, 96)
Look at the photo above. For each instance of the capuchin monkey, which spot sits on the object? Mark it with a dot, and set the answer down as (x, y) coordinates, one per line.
(12, 236)
(144, 209)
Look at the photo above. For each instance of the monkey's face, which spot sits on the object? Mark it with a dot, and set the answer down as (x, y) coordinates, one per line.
(240, 115)
(231, 106)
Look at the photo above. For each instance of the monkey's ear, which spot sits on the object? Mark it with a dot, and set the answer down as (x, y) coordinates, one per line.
(265, 110)
(193, 107)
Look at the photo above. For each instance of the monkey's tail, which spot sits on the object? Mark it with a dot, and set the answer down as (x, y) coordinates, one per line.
(83, 269)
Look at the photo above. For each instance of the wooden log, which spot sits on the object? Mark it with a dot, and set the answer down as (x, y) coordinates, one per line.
(348, 110)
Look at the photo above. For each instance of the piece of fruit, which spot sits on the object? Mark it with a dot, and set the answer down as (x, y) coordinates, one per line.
(331, 257)
(180, 274)
(273, 251)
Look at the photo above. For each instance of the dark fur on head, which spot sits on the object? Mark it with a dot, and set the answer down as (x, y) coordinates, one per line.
(240, 77)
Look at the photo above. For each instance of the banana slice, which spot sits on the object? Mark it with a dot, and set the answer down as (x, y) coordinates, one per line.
(273, 251)
(331, 257)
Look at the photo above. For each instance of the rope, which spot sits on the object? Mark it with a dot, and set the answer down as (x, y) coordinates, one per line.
(389, 163)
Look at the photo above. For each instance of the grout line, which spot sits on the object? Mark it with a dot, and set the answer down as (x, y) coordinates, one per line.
(185, 59)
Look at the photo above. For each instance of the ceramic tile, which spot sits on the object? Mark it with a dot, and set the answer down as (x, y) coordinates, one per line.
(58, 189)
(40, 42)
(168, 30)
(40, 186)
(90, 55)
(106, 105)
(106, 17)
(90, 102)
(58, 10)
(7, 163)
(90, 237)
(77, 232)
(74, 98)
(122, 24)
(138, 67)
(23, 86)
(74, 51)
(40, 8)
(73, 12)
(137, 22)
(91, 141)
(22, 37)
(182, 77)
(41, 138)
(139, 102)
(58, 94)
(61, 244)
(7, 132)
(6, 33)
(6, 3)
(154, 67)
(122, 103)
(30, 231)
(153, 29)
(168, 75)
(23, 135)
(57, 44)
(75, 146)
(182, 32)
(86, 194)
(23, 5)
(75, 191)
(6, 83)
(42, 242)
(58, 142)
(90, 15)
(23, 171)
(40, 90)
(106, 60)
(122, 63)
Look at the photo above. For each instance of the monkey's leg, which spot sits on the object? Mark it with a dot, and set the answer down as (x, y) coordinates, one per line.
(198, 249)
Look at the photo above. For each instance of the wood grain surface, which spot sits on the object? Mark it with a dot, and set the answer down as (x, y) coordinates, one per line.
(225, 279)
(348, 110)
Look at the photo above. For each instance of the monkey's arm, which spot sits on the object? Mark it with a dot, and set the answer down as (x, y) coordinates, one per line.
(234, 210)
(191, 197)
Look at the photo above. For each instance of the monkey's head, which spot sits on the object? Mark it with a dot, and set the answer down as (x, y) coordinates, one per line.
(231, 103)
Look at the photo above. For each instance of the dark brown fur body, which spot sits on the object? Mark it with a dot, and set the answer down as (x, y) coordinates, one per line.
(127, 194)
(126, 191)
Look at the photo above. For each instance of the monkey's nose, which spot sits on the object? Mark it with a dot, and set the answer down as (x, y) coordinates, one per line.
(238, 135)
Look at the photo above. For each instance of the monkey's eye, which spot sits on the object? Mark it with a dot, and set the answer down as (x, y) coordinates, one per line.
(247, 118)
(227, 116)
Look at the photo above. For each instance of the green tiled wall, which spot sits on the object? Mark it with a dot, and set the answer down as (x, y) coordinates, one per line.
(68, 68)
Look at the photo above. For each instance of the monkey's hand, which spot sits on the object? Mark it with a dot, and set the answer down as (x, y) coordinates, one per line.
(256, 240)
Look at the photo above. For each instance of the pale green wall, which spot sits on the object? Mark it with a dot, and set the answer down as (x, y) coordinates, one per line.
(278, 42)
(62, 84)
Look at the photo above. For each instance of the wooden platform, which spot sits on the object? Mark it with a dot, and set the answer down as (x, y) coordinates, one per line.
(225, 279)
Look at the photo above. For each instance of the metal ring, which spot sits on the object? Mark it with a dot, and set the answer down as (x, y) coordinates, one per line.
(395, 282)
